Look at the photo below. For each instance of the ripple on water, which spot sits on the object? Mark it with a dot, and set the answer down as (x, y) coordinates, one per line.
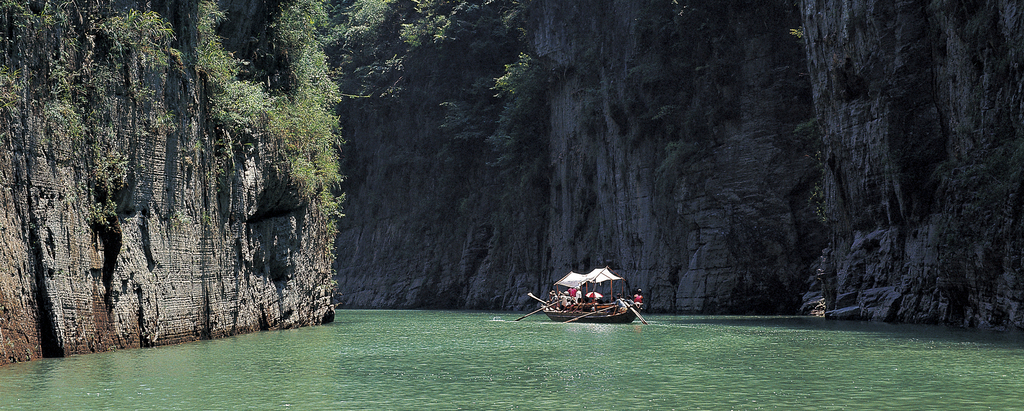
(449, 360)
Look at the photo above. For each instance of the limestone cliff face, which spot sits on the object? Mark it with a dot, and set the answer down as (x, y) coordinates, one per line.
(669, 153)
(123, 223)
(921, 107)
(683, 169)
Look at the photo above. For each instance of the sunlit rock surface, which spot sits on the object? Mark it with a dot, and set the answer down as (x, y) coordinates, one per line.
(195, 245)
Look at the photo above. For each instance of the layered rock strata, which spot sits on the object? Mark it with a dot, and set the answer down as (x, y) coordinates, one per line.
(122, 221)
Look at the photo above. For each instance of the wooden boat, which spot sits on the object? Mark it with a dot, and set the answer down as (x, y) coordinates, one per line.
(620, 311)
(595, 313)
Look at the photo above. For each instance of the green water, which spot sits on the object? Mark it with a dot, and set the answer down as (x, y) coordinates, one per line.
(427, 360)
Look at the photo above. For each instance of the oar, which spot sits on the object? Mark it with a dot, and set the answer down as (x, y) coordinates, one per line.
(535, 312)
(638, 315)
(589, 314)
(535, 298)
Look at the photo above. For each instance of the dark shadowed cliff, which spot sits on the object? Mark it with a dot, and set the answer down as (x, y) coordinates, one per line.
(676, 142)
(672, 142)
(923, 117)
(150, 192)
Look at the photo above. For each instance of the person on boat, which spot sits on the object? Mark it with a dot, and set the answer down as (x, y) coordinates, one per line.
(573, 293)
(621, 304)
(638, 298)
(565, 301)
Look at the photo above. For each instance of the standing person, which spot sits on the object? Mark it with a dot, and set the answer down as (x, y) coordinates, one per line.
(638, 298)
(572, 293)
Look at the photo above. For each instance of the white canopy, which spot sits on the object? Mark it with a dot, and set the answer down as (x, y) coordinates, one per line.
(572, 280)
(598, 275)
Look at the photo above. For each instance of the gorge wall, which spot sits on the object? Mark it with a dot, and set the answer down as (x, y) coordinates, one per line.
(675, 153)
(674, 143)
(922, 110)
(129, 217)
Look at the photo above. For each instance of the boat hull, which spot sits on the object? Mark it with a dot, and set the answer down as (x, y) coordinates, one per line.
(601, 318)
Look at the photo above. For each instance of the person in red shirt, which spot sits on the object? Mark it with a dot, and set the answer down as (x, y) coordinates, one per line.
(638, 298)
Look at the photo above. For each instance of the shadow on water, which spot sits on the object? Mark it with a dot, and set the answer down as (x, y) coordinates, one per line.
(867, 329)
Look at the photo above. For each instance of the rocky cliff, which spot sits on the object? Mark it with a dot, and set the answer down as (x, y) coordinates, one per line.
(922, 111)
(130, 217)
(671, 141)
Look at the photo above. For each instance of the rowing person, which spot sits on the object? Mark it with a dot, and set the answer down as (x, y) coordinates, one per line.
(638, 298)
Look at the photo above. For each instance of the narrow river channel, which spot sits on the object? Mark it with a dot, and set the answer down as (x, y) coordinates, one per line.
(447, 360)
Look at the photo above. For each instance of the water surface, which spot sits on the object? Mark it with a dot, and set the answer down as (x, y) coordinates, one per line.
(417, 360)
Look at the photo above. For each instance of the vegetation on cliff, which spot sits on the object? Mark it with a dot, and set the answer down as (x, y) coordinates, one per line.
(295, 107)
(165, 177)
(440, 60)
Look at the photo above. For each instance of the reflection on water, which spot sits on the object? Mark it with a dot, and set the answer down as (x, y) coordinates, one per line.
(471, 360)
